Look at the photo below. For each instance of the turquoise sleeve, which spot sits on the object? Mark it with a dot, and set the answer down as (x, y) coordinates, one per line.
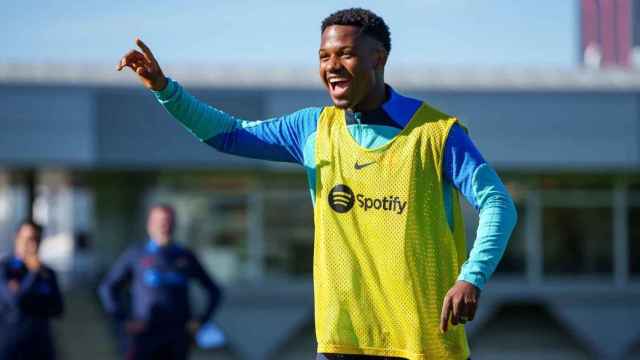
(497, 219)
(277, 139)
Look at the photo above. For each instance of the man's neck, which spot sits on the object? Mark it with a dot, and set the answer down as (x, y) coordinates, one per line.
(376, 97)
(395, 111)
(160, 244)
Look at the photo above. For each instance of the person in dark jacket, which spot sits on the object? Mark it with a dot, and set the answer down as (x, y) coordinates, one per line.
(29, 298)
(160, 323)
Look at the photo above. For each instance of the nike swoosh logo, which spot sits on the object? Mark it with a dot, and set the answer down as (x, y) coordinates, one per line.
(360, 166)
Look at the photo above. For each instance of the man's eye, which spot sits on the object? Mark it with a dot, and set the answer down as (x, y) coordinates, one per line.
(346, 56)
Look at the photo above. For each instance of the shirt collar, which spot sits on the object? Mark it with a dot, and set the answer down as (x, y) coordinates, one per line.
(400, 108)
(153, 246)
(395, 112)
(16, 262)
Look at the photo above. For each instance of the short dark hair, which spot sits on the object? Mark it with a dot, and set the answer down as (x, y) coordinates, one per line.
(37, 227)
(369, 23)
(163, 206)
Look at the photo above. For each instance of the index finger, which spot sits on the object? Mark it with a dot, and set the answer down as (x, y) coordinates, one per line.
(146, 51)
(129, 58)
(446, 312)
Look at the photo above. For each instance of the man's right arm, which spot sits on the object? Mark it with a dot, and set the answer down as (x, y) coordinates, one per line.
(115, 279)
(13, 295)
(7, 294)
(276, 139)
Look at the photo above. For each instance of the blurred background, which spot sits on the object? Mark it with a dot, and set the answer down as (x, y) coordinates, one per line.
(550, 91)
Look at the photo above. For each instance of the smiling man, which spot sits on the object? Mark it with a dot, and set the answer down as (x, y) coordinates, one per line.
(391, 274)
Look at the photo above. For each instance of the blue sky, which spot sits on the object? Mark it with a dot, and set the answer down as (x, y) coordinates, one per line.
(439, 32)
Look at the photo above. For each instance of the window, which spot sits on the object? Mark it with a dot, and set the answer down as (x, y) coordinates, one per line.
(633, 223)
(577, 240)
(214, 225)
(634, 241)
(288, 224)
(243, 229)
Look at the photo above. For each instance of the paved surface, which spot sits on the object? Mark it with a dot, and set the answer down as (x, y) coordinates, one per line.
(84, 332)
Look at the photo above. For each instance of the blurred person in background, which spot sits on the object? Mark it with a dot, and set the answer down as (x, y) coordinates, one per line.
(29, 298)
(391, 272)
(160, 324)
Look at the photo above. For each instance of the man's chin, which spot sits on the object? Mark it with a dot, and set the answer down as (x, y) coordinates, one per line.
(341, 103)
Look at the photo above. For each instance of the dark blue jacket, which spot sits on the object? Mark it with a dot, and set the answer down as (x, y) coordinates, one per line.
(159, 285)
(25, 313)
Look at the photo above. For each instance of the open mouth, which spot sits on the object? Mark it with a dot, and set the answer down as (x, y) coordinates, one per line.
(339, 85)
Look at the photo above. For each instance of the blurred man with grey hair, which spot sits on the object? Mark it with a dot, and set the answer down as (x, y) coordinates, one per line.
(161, 324)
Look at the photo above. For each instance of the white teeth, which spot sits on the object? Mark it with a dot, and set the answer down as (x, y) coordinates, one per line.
(333, 81)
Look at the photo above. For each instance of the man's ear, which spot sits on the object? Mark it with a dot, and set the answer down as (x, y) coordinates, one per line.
(381, 58)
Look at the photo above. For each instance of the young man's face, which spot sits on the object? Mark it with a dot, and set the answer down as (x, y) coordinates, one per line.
(26, 244)
(351, 65)
(160, 225)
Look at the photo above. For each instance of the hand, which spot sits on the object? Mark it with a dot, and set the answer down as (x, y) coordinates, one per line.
(193, 327)
(144, 64)
(32, 262)
(460, 304)
(134, 327)
(13, 285)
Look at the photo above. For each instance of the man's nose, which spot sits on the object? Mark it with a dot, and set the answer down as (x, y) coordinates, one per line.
(333, 65)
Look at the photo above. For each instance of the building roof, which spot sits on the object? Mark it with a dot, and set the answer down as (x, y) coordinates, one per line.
(414, 77)
(94, 117)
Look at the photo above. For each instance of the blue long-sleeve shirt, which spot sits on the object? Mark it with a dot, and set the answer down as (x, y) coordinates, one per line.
(25, 311)
(159, 285)
(291, 138)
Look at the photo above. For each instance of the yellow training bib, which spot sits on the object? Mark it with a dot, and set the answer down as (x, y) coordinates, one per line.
(384, 253)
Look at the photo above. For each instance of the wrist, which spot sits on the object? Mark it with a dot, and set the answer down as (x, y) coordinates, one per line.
(160, 84)
(469, 284)
(474, 279)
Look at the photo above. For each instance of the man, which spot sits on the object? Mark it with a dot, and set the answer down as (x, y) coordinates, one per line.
(29, 297)
(160, 324)
(384, 170)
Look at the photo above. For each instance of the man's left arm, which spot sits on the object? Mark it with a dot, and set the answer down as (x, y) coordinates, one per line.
(465, 168)
(214, 294)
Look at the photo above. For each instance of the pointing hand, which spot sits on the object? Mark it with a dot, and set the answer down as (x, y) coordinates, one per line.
(144, 64)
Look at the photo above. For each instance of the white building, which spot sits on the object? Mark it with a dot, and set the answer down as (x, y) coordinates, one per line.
(566, 143)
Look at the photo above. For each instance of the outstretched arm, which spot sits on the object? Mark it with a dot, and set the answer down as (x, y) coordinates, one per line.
(276, 139)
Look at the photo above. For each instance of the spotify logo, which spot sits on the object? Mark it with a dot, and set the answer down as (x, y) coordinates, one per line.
(341, 198)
